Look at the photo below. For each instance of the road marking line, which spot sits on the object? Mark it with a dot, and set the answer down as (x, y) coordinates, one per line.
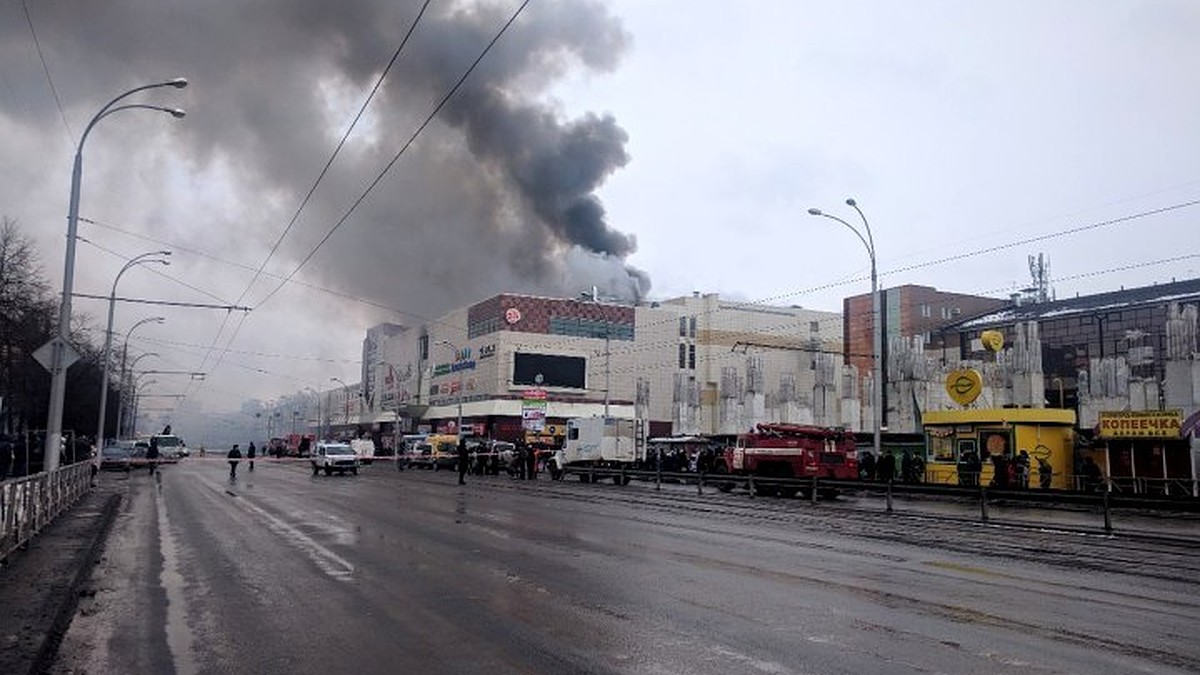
(329, 562)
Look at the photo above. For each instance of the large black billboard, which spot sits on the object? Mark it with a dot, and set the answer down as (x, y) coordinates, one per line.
(555, 371)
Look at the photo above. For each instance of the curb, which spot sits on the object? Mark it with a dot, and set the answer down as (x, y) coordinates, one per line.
(48, 650)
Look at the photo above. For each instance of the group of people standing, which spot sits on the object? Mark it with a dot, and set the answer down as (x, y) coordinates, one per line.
(483, 459)
(1007, 472)
(884, 469)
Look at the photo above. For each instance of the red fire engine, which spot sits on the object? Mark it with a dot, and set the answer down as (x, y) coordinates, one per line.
(795, 451)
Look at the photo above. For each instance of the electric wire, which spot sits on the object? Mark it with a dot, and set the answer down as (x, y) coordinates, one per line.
(341, 143)
(46, 70)
(388, 167)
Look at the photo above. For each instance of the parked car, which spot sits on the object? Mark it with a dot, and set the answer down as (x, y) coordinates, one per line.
(330, 457)
(116, 458)
(137, 452)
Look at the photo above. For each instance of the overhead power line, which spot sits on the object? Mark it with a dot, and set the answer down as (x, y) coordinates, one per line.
(312, 189)
(388, 167)
(46, 69)
(164, 303)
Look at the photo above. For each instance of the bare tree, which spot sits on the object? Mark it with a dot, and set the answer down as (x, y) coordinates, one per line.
(26, 315)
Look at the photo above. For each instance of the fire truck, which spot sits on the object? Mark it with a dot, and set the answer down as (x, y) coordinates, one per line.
(789, 451)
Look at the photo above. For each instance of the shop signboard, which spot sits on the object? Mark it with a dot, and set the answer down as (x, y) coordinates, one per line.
(533, 409)
(1141, 424)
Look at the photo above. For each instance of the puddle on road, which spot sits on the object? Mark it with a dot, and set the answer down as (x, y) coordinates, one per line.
(179, 638)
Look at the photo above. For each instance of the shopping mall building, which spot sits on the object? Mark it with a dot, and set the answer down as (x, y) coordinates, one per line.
(695, 364)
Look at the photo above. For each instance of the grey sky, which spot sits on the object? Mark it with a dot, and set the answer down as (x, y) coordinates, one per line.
(699, 133)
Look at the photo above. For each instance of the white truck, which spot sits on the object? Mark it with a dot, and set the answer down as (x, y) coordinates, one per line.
(599, 442)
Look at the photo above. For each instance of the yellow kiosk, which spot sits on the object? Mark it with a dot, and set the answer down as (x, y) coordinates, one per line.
(959, 443)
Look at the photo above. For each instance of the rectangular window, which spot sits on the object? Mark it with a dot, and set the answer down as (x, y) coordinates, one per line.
(683, 324)
(942, 448)
(682, 356)
(692, 327)
(814, 326)
(691, 357)
(926, 311)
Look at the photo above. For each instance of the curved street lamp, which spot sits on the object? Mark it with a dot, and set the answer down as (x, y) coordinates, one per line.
(60, 344)
(317, 396)
(594, 298)
(130, 383)
(868, 241)
(143, 259)
(124, 356)
(345, 395)
(458, 428)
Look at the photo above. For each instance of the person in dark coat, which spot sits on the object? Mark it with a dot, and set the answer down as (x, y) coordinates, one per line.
(152, 454)
(1093, 477)
(968, 468)
(1023, 469)
(250, 452)
(886, 467)
(305, 447)
(464, 460)
(906, 468)
(521, 452)
(235, 456)
(866, 466)
(1000, 469)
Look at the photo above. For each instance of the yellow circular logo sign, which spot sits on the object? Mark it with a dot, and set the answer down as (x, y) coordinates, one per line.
(964, 385)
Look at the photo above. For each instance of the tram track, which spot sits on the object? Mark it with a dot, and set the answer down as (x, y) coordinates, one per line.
(1147, 554)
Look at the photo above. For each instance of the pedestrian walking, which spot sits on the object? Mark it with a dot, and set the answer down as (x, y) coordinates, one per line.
(464, 459)
(250, 452)
(1045, 473)
(152, 454)
(235, 456)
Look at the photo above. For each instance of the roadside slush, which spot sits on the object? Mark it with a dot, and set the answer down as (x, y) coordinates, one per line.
(40, 585)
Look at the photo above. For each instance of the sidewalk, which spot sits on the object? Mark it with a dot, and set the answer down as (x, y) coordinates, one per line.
(39, 585)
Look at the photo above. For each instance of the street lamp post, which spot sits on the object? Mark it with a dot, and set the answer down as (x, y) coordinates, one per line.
(124, 357)
(345, 395)
(594, 298)
(876, 324)
(136, 396)
(143, 259)
(132, 388)
(458, 427)
(317, 396)
(59, 358)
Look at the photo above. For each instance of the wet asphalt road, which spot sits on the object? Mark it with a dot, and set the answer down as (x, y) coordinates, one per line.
(406, 572)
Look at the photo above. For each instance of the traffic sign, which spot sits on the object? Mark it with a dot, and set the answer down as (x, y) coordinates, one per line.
(45, 354)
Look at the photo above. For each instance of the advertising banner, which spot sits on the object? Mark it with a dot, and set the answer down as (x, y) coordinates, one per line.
(533, 409)
(1141, 424)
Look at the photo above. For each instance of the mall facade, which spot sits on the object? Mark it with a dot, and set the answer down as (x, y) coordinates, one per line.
(694, 364)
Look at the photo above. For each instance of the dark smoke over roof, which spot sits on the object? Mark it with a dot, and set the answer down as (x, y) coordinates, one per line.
(498, 196)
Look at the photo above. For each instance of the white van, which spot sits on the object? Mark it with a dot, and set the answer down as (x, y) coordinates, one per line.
(171, 448)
